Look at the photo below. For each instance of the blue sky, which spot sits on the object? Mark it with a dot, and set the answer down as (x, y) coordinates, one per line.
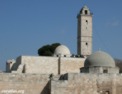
(26, 25)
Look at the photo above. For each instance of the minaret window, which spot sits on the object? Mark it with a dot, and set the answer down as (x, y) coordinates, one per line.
(86, 12)
(86, 21)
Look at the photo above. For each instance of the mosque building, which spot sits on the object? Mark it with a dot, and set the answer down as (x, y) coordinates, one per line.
(63, 73)
(62, 60)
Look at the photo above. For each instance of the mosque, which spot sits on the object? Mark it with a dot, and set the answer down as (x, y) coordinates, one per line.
(62, 61)
(64, 73)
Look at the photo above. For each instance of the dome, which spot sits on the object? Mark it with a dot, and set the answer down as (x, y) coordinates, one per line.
(62, 50)
(99, 59)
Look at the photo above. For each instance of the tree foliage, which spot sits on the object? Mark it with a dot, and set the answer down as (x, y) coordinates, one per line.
(47, 50)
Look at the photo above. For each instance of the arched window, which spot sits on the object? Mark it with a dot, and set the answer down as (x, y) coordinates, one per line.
(86, 12)
(86, 21)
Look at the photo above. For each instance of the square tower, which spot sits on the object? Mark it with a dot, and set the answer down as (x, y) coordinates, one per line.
(84, 37)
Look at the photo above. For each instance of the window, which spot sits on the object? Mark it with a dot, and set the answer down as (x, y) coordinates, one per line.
(105, 71)
(86, 45)
(107, 92)
(86, 12)
(87, 21)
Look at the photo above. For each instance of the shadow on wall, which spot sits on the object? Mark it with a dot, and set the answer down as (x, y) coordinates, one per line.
(46, 89)
(15, 66)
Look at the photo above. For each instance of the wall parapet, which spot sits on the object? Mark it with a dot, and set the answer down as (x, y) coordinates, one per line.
(23, 77)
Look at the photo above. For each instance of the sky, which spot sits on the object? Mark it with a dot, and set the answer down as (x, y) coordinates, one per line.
(27, 25)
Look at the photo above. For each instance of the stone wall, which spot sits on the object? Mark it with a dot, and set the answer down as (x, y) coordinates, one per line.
(71, 65)
(88, 84)
(47, 65)
(102, 70)
(119, 84)
(72, 83)
(76, 84)
(24, 84)
(39, 64)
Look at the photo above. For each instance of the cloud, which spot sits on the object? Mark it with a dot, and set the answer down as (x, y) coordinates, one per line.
(113, 24)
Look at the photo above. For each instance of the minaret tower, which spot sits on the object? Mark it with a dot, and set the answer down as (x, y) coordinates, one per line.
(84, 37)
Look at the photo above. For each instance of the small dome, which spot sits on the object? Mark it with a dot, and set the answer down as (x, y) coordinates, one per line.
(62, 50)
(99, 59)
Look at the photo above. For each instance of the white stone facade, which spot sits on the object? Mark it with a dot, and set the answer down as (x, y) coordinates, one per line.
(47, 65)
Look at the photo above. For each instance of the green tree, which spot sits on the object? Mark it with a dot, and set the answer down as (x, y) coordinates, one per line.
(47, 50)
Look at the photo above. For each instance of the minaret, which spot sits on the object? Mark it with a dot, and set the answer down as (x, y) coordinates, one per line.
(84, 37)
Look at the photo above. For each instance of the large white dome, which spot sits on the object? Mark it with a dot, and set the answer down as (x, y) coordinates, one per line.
(62, 50)
(101, 59)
